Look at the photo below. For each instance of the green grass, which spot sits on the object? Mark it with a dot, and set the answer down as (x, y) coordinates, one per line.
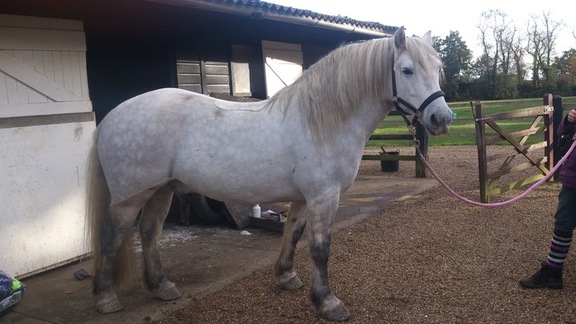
(463, 129)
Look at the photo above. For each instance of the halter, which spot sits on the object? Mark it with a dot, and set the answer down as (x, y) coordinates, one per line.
(416, 111)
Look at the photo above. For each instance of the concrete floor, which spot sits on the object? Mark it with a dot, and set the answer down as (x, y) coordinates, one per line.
(199, 259)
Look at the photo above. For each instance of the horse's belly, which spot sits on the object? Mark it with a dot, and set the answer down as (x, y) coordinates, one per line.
(239, 180)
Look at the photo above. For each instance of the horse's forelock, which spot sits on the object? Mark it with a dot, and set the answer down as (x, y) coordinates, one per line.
(422, 54)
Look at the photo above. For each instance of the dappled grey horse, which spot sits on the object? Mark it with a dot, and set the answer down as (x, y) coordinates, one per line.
(303, 145)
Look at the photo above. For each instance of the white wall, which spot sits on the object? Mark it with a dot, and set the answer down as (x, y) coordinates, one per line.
(42, 170)
(46, 127)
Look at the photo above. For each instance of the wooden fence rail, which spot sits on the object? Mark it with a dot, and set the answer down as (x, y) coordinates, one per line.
(541, 120)
(542, 124)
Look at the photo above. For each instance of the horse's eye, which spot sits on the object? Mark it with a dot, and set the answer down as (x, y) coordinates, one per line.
(407, 71)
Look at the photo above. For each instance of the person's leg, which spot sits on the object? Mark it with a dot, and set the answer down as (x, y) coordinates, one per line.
(559, 247)
(550, 274)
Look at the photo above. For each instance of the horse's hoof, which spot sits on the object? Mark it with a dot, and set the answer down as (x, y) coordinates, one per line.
(290, 281)
(110, 304)
(334, 310)
(167, 291)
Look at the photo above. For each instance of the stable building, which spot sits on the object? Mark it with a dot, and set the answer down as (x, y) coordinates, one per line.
(65, 64)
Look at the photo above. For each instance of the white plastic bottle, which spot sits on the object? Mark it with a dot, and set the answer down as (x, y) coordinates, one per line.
(257, 211)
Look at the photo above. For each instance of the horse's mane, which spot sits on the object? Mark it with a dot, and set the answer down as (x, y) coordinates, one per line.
(331, 90)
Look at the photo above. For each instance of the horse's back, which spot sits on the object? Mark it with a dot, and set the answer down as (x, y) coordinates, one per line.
(173, 134)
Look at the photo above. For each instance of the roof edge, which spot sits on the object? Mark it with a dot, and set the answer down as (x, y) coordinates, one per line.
(264, 10)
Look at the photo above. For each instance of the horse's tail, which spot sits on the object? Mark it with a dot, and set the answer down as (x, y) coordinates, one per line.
(97, 204)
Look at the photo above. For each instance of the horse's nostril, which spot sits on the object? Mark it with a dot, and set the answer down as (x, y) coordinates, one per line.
(434, 119)
(440, 121)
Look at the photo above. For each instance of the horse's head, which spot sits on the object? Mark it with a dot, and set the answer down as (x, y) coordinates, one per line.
(416, 82)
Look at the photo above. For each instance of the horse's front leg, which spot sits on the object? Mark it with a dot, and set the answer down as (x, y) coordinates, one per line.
(152, 218)
(322, 213)
(293, 229)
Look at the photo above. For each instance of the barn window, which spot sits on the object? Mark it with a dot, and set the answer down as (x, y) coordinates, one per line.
(203, 76)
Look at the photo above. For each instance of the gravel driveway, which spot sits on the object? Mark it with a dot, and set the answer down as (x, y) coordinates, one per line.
(427, 259)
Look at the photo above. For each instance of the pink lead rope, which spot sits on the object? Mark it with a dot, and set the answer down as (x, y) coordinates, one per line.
(503, 203)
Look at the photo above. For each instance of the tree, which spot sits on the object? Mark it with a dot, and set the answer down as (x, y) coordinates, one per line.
(565, 65)
(501, 56)
(518, 52)
(542, 35)
(456, 57)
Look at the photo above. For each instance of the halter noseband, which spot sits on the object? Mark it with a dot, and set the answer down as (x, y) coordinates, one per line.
(417, 111)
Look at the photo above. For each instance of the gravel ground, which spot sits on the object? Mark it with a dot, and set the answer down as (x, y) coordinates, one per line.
(428, 259)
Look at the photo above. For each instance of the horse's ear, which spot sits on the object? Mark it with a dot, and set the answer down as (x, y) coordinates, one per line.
(427, 38)
(400, 39)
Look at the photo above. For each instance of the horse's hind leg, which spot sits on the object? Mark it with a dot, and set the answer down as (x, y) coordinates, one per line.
(293, 229)
(113, 234)
(153, 216)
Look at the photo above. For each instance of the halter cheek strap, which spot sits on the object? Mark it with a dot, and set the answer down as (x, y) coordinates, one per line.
(416, 111)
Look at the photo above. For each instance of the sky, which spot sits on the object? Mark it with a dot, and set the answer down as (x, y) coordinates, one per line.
(442, 16)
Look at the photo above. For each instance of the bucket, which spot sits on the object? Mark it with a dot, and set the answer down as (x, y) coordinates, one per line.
(389, 165)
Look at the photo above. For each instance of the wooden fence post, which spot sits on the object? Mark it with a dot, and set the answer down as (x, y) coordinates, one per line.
(556, 120)
(548, 134)
(422, 137)
(481, 145)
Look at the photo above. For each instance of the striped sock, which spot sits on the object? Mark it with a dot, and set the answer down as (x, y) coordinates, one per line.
(559, 247)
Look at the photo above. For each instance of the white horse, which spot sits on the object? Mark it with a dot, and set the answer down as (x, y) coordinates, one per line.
(304, 145)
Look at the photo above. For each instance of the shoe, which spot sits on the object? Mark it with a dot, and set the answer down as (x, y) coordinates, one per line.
(547, 277)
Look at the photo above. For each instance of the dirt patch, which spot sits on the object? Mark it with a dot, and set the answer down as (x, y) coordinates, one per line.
(427, 259)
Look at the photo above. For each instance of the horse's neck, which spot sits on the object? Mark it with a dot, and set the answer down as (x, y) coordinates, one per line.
(369, 117)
